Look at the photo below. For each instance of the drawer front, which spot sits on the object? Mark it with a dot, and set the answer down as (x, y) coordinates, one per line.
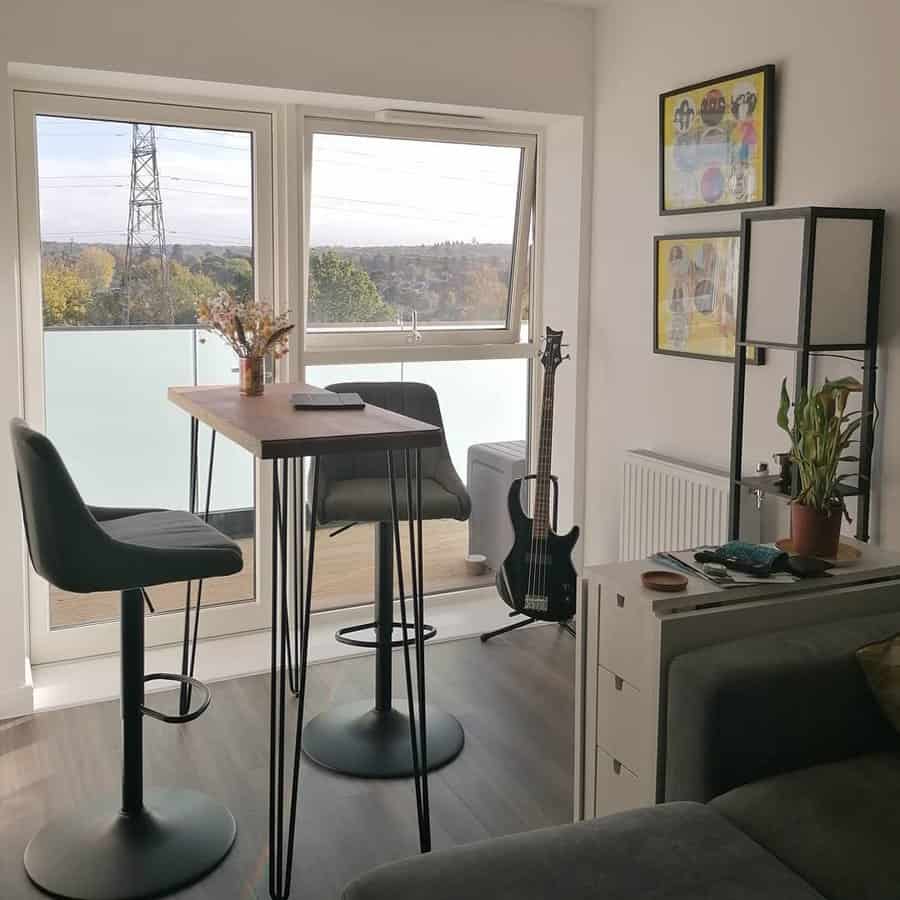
(622, 721)
(618, 788)
(625, 637)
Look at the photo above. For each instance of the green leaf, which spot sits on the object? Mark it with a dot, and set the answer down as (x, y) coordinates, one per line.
(783, 407)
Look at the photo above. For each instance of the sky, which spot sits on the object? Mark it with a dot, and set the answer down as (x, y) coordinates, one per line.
(365, 191)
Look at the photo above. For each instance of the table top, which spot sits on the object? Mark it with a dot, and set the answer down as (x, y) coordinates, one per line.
(270, 428)
(875, 564)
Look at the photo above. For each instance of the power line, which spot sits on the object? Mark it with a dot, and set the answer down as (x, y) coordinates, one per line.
(406, 206)
(204, 144)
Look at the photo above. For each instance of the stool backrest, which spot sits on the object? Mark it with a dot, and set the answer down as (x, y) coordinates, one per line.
(61, 532)
(418, 401)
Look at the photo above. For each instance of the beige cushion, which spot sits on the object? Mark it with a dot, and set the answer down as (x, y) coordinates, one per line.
(880, 662)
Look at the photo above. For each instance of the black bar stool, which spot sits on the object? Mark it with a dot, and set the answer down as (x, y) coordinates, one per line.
(372, 741)
(152, 842)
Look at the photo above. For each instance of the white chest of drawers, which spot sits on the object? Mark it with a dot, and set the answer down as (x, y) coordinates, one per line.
(627, 635)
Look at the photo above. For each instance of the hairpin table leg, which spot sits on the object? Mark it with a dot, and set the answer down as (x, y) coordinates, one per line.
(417, 723)
(192, 508)
(288, 665)
(189, 648)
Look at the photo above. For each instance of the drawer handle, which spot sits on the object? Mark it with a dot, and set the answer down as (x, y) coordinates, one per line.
(617, 767)
(620, 601)
(618, 682)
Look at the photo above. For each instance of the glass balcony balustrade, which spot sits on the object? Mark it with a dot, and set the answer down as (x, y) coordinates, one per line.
(126, 445)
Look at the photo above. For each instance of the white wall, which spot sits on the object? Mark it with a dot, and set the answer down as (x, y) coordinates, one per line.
(506, 54)
(838, 143)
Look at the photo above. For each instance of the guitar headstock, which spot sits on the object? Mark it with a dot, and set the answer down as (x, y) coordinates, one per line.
(552, 356)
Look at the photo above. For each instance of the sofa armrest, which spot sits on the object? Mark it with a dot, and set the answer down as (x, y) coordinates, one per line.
(752, 708)
(676, 851)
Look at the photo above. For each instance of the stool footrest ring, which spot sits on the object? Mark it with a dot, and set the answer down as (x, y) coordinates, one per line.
(341, 635)
(178, 679)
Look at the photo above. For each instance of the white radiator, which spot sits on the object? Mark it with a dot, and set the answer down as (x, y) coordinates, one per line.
(669, 504)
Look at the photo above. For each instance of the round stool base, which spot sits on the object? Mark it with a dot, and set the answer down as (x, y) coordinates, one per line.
(96, 853)
(356, 739)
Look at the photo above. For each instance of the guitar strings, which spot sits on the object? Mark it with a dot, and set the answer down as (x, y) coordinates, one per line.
(549, 380)
(537, 569)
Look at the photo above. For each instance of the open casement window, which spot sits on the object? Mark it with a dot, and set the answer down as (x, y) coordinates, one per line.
(416, 235)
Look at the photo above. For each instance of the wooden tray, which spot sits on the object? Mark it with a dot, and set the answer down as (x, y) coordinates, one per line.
(847, 554)
(662, 580)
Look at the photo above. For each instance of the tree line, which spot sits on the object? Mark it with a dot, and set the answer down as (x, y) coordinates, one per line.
(83, 285)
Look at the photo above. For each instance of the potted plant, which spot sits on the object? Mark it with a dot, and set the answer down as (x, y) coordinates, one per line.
(821, 434)
(252, 330)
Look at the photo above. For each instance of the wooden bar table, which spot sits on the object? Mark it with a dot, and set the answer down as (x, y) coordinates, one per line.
(270, 428)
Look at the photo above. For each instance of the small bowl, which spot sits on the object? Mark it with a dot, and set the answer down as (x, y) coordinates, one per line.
(476, 564)
(667, 582)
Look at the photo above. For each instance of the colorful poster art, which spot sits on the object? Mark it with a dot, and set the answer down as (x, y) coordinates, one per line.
(717, 144)
(695, 296)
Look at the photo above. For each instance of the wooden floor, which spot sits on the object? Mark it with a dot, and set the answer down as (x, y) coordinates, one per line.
(343, 575)
(514, 697)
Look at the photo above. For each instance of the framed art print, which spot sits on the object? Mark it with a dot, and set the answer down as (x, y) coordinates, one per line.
(717, 143)
(695, 296)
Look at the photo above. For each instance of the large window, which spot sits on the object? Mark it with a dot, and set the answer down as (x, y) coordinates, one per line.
(131, 215)
(416, 235)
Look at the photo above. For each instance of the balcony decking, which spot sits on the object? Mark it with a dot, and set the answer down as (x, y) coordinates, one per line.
(344, 576)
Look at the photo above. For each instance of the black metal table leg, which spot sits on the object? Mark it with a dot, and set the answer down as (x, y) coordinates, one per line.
(418, 721)
(189, 640)
(288, 664)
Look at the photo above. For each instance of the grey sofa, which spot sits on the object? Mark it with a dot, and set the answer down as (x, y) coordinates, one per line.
(782, 783)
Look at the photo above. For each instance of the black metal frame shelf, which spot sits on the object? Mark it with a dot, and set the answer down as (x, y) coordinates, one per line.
(805, 350)
(771, 484)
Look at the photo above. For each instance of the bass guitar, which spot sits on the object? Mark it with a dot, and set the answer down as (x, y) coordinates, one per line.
(537, 578)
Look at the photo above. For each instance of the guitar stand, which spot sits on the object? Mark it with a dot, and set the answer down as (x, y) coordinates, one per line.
(567, 625)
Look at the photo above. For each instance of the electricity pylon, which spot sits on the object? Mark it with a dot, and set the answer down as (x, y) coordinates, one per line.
(146, 226)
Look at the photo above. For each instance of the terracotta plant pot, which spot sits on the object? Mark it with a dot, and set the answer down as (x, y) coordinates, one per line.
(252, 371)
(814, 533)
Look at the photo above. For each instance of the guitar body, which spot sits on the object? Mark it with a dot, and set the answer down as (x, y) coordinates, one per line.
(537, 569)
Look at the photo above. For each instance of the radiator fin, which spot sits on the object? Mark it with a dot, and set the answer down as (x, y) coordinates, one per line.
(669, 504)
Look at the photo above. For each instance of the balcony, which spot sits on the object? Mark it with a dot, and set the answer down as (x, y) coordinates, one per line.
(126, 445)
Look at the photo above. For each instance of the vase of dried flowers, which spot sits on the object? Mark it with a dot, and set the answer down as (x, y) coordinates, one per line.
(252, 375)
(252, 330)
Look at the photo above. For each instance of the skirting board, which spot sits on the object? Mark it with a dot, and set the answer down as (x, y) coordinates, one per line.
(18, 701)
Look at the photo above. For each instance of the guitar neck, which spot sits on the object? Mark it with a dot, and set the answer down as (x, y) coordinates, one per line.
(545, 451)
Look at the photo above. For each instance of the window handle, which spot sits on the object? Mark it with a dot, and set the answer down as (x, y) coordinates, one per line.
(414, 335)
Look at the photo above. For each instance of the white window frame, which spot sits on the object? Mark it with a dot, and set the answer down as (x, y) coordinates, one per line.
(267, 130)
(384, 344)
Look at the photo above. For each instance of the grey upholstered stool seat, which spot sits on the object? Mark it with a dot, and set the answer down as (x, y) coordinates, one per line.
(153, 843)
(356, 738)
(162, 546)
(367, 499)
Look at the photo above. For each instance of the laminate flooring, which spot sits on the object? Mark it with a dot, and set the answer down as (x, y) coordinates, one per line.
(513, 696)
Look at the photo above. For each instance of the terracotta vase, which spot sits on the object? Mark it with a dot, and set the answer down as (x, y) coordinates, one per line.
(814, 533)
(251, 378)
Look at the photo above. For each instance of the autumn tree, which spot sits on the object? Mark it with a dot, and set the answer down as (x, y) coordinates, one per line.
(66, 295)
(340, 291)
(187, 289)
(233, 273)
(484, 296)
(96, 266)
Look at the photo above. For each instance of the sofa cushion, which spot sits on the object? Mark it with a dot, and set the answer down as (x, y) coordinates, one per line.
(836, 824)
(880, 661)
(678, 851)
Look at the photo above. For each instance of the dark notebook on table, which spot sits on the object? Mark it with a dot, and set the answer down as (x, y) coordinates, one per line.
(326, 400)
